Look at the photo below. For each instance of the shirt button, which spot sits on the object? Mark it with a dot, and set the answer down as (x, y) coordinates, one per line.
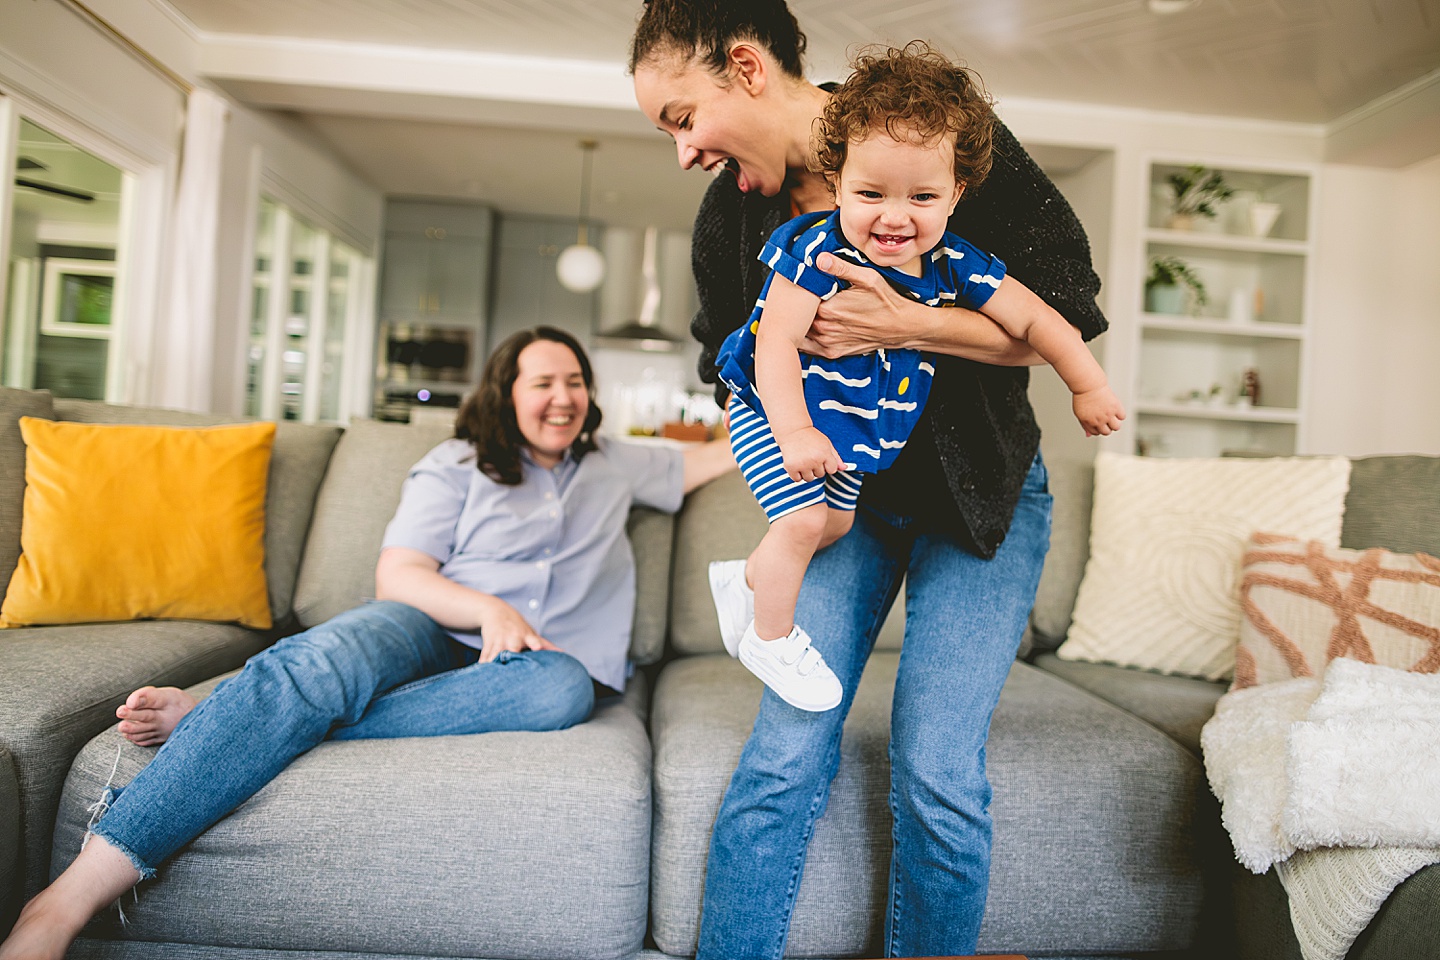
(534, 604)
(549, 496)
(540, 564)
(553, 514)
(548, 551)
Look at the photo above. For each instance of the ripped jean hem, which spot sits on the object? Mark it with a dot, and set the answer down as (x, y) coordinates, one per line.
(146, 871)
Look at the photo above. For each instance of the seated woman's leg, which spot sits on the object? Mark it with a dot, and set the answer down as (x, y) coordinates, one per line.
(964, 619)
(782, 783)
(287, 699)
(533, 690)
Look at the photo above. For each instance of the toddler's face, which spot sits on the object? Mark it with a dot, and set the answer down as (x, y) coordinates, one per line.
(895, 197)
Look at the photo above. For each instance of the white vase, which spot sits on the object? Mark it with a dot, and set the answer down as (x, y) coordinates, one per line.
(1262, 218)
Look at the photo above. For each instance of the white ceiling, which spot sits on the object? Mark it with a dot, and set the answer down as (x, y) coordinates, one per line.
(1307, 61)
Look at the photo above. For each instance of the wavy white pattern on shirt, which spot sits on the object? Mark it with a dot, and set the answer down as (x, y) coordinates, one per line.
(926, 368)
(819, 239)
(950, 252)
(857, 411)
(820, 371)
(944, 295)
(989, 281)
(871, 451)
(897, 405)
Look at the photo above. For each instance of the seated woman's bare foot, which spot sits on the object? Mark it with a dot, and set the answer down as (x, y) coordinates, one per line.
(149, 715)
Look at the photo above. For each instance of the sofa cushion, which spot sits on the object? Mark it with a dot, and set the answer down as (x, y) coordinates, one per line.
(169, 522)
(44, 722)
(722, 521)
(1179, 706)
(1166, 539)
(360, 494)
(297, 465)
(15, 404)
(1094, 813)
(356, 501)
(10, 861)
(1305, 604)
(1391, 504)
(516, 845)
(1072, 487)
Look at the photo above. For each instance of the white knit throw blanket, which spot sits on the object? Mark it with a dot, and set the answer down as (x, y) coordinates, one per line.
(1337, 784)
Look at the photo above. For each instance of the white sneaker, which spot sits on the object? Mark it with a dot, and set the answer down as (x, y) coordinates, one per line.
(734, 601)
(793, 669)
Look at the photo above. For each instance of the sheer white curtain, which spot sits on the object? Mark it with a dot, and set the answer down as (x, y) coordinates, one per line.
(184, 336)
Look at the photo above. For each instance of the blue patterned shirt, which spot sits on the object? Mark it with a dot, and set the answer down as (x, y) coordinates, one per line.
(866, 404)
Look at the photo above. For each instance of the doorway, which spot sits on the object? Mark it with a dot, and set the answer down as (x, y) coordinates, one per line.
(62, 314)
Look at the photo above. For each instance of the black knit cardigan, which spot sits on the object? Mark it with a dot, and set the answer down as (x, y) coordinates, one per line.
(966, 460)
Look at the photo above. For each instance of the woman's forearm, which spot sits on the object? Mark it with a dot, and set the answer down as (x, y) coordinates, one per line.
(959, 332)
(414, 578)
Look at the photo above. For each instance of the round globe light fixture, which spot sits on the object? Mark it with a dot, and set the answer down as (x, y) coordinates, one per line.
(581, 267)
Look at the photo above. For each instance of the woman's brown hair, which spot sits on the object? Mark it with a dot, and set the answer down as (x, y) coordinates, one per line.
(487, 417)
(909, 91)
(707, 29)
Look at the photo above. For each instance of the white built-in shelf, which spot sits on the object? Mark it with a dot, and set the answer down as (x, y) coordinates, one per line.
(1222, 328)
(1200, 411)
(1228, 241)
(1255, 326)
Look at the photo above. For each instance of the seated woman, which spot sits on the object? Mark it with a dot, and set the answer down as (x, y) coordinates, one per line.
(506, 590)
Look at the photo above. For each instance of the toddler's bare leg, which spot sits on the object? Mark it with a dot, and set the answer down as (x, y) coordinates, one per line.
(777, 568)
(837, 524)
(50, 922)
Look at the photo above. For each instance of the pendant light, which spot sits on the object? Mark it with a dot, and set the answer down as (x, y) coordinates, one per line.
(581, 267)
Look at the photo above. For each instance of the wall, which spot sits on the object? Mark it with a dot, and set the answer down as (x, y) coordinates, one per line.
(1373, 387)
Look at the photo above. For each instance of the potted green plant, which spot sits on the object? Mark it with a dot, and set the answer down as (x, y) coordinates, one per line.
(1196, 191)
(1170, 281)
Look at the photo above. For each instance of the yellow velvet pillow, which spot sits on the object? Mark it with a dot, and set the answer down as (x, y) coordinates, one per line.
(132, 522)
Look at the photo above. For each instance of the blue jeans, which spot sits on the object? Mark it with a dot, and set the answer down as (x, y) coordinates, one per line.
(381, 670)
(964, 619)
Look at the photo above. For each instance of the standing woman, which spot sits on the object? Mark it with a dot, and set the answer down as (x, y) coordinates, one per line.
(963, 515)
(447, 649)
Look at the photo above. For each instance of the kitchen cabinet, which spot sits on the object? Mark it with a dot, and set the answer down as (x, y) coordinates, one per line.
(434, 293)
(527, 291)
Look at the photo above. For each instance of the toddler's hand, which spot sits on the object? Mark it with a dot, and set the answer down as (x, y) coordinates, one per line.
(808, 454)
(1099, 411)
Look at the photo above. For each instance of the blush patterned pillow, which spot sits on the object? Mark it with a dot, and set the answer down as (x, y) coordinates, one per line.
(1304, 603)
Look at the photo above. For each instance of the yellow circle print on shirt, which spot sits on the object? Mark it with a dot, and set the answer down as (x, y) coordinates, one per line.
(904, 385)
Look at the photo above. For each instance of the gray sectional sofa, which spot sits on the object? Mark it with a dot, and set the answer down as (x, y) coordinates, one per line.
(591, 842)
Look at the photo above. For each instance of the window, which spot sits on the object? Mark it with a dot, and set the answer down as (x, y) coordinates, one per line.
(307, 320)
(61, 311)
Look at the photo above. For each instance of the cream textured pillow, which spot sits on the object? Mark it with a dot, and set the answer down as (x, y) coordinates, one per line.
(1305, 603)
(1161, 587)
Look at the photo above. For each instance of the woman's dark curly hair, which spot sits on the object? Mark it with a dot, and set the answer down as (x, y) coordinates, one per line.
(707, 28)
(906, 92)
(487, 417)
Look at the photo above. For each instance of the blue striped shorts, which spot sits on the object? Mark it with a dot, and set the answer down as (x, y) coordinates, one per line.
(761, 464)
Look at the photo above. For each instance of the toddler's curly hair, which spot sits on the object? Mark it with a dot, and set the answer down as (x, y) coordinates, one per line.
(906, 92)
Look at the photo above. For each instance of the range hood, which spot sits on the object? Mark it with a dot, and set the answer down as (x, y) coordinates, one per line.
(643, 333)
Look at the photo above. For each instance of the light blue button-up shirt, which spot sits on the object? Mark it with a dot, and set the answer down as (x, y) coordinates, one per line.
(553, 546)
